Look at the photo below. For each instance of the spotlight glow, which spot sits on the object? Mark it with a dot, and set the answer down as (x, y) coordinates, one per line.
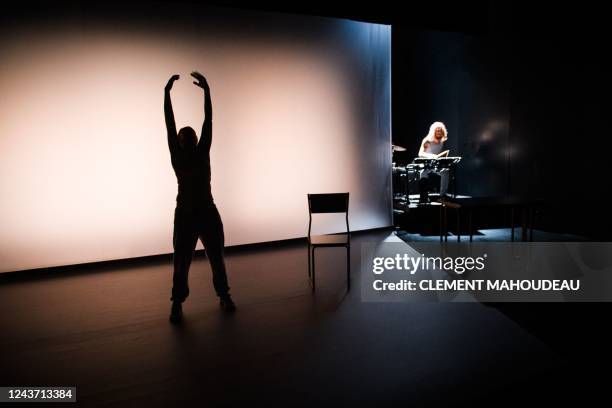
(85, 171)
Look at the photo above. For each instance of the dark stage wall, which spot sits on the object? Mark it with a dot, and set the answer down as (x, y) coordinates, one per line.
(458, 79)
(559, 106)
(525, 100)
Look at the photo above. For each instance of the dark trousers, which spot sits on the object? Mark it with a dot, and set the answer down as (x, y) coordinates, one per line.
(202, 222)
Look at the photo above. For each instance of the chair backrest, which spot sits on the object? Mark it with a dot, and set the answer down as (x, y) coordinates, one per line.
(328, 203)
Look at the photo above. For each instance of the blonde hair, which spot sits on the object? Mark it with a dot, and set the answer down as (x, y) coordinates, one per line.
(432, 131)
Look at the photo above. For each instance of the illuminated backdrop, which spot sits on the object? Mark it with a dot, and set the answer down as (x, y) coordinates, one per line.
(301, 104)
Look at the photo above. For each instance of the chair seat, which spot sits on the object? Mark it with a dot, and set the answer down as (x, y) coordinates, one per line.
(329, 240)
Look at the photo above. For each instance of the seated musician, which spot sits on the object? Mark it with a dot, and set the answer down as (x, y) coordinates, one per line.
(431, 148)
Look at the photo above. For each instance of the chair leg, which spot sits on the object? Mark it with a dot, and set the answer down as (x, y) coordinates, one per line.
(312, 276)
(348, 267)
(309, 261)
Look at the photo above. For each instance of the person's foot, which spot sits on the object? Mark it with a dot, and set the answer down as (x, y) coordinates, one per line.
(227, 304)
(176, 313)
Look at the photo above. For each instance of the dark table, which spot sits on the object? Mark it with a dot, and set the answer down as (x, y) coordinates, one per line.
(525, 205)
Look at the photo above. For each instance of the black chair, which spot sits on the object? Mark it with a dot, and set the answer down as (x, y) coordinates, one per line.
(328, 203)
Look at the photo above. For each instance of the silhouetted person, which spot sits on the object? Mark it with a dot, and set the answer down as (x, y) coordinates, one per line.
(196, 214)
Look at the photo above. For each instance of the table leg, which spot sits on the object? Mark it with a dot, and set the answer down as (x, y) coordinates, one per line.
(441, 222)
(524, 224)
(458, 225)
(470, 225)
(445, 224)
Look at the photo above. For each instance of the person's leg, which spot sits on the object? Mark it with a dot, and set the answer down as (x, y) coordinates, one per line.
(213, 239)
(424, 186)
(444, 176)
(184, 240)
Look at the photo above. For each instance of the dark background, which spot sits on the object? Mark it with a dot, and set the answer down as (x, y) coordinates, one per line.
(521, 86)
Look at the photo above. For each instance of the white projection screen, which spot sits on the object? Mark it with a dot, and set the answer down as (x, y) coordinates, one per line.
(301, 104)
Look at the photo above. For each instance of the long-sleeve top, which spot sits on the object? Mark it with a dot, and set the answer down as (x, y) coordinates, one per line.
(191, 166)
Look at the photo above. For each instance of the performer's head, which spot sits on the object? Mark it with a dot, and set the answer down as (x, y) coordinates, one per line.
(187, 138)
(437, 132)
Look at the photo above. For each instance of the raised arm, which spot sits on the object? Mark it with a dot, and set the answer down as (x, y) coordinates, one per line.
(173, 142)
(206, 135)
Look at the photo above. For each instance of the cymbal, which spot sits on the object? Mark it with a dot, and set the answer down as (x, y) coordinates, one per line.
(397, 148)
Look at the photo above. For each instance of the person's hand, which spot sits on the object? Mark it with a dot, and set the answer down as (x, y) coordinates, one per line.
(201, 81)
(171, 82)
